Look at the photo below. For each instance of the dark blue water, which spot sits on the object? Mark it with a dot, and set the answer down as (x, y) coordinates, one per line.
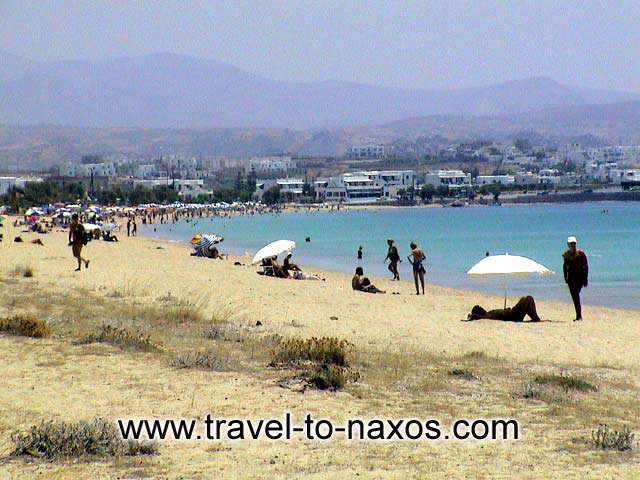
(454, 239)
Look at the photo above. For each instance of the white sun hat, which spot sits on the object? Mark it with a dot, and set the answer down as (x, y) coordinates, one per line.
(572, 239)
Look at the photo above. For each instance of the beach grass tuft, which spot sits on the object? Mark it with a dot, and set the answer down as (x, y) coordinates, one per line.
(204, 360)
(566, 382)
(25, 325)
(324, 350)
(95, 438)
(26, 271)
(607, 439)
(463, 374)
(329, 377)
(121, 337)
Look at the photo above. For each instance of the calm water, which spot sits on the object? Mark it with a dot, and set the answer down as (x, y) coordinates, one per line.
(454, 239)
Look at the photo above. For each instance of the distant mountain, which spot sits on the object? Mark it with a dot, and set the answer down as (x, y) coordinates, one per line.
(176, 91)
(613, 122)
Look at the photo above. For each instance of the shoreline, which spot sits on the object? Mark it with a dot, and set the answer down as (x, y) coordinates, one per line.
(556, 294)
(323, 272)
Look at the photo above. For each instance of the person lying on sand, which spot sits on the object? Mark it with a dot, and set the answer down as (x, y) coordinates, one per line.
(360, 283)
(525, 306)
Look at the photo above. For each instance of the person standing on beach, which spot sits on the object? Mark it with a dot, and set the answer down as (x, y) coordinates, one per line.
(394, 257)
(77, 240)
(129, 227)
(415, 259)
(576, 273)
(134, 231)
(360, 252)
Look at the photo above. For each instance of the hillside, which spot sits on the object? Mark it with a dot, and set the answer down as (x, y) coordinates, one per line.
(177, 91)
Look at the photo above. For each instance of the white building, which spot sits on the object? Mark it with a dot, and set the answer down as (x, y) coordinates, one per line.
(366, 151)
(495, 179)
(145, 170)
(619, 176)
(187, 189)
(84, 170)
(271, 164)
(448, 178)
(365, 187)
(7, 183)
(291, 188)
(526, 178)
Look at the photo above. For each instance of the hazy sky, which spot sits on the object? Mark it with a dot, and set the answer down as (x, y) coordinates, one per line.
(427, 44)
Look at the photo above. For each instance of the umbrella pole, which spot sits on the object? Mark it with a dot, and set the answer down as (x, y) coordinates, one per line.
(505, 294)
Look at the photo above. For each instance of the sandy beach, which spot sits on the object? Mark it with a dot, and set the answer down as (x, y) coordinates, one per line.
(405, 347)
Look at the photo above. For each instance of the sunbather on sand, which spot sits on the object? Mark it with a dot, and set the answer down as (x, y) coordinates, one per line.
(525, 306)
(361, 283)
(289, 265)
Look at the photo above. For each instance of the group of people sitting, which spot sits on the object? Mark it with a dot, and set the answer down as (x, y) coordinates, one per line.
(288, 269)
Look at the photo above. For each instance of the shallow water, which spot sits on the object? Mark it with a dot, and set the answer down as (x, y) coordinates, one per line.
(454, 239)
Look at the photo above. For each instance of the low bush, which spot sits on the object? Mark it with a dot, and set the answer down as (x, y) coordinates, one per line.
(25, 325)
(566, 382)
(223, 331)
(123, 338)
(463, 374)
(204, 360)
(325, 350)
(98, 437)
(607, 439)
(329, 377)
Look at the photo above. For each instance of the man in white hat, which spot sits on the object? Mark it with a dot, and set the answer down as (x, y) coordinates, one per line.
(576, 273)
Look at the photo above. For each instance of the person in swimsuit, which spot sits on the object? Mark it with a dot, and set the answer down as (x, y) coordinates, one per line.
(76, 240)
(360, 283)
(525, 306)
(394, 257)
(416, 258)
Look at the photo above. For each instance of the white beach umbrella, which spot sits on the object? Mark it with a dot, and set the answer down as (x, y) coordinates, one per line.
(504, 265)
(275, 248)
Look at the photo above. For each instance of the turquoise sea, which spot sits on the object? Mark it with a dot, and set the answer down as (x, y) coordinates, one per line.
(454, 239)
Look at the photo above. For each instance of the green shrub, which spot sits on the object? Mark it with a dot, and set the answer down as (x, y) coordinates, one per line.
(25, 325)
(98, 437)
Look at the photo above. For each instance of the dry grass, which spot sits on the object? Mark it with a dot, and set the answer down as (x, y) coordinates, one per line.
(607, 439)
(84, 440)
(325, 350)
(26, 271)
(25, 325)
(123, 338)
(204, 360)
(566, 382)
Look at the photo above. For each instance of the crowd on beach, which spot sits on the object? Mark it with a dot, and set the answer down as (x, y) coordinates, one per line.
(94, 223)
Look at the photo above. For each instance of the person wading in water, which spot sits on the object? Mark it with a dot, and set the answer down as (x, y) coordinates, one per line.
(394, 257)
